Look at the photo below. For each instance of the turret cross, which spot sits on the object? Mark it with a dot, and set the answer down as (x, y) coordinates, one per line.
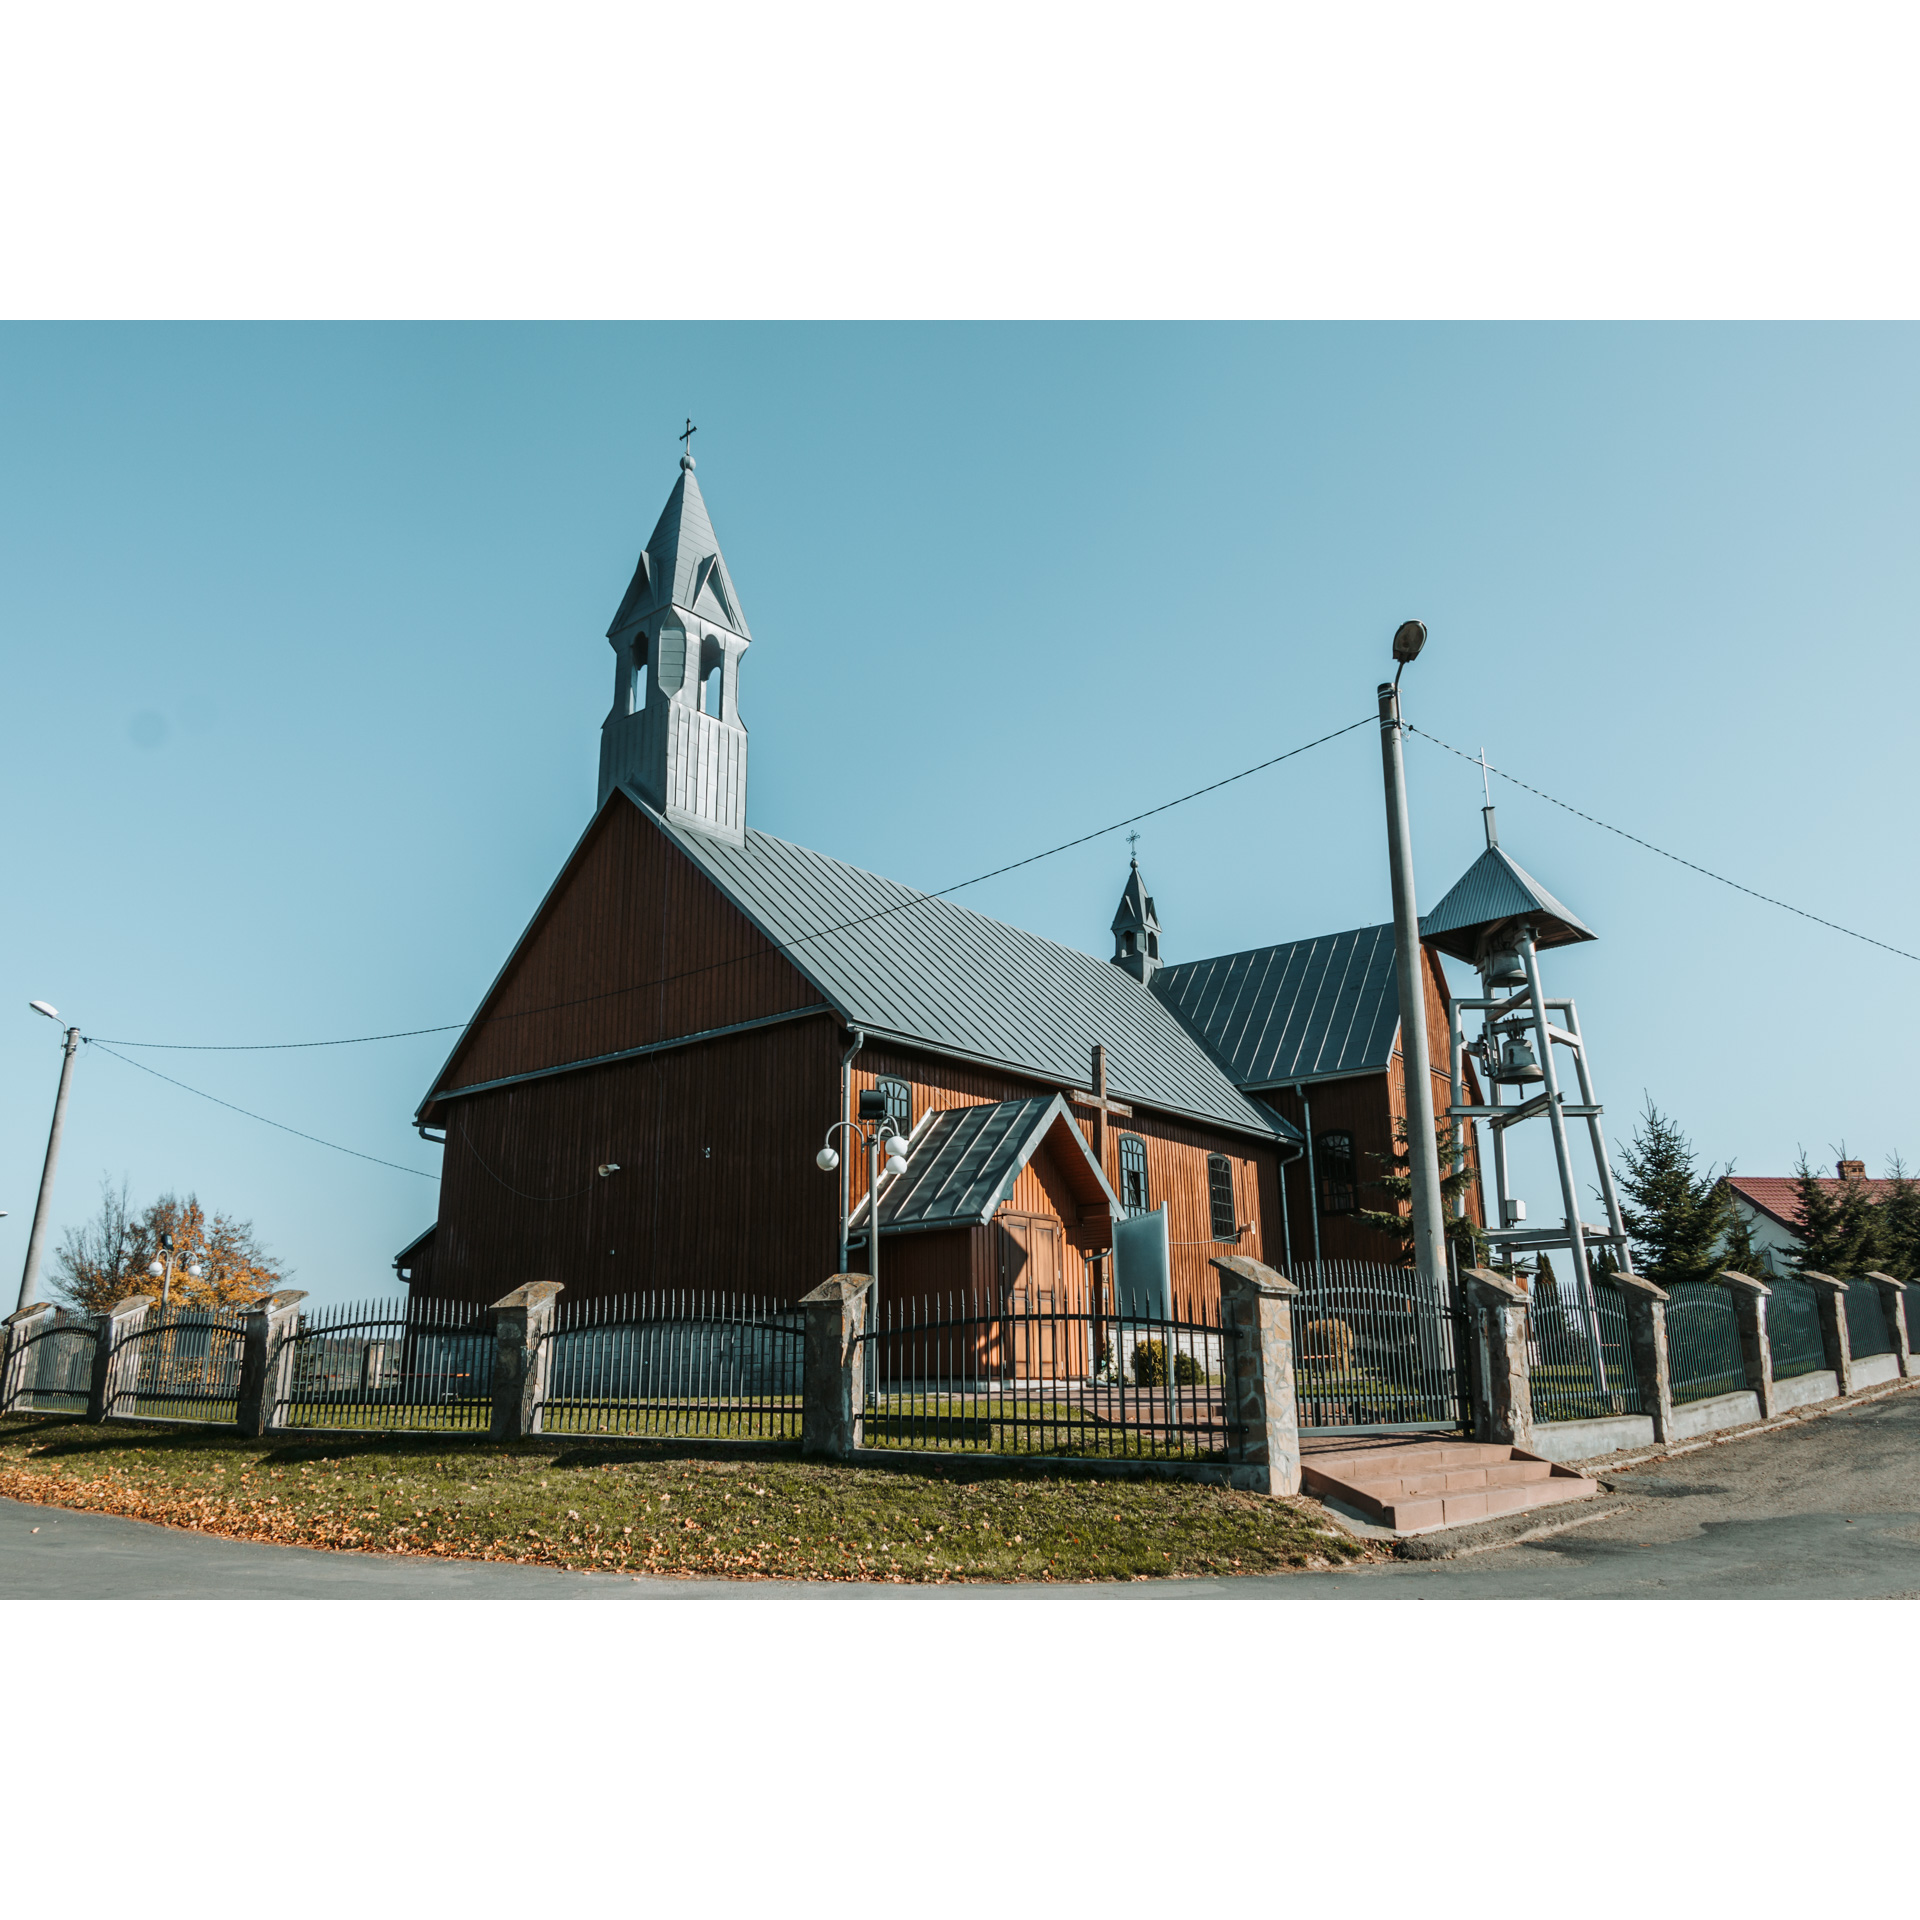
(686, 439)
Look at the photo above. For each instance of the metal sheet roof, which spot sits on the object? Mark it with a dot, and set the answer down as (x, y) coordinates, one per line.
(915, 967)
(1497, 888)
(1305, 1010)
(963, 1163)
(681, 566)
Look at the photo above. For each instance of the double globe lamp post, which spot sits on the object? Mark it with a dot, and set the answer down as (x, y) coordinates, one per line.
(873, 1127)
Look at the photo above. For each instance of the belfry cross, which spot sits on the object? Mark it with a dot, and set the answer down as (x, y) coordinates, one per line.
(1133, 846)
(686, 439)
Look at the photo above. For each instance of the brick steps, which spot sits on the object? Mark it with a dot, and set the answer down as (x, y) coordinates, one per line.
(1441, 1483)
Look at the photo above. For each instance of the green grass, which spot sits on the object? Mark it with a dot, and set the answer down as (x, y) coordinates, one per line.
(636, 1506)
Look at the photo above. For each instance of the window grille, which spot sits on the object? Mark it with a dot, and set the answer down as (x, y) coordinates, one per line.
(1333, 1162)
(899, 1106)
(1133, 1173)
(1220, 1197)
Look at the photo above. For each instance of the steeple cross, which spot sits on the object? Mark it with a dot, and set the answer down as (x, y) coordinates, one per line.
(1133, 846)
(686, 439)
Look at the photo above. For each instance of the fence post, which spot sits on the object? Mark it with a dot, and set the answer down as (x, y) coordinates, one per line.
(270, 1326)
(1646, 1308)
(833, 1391)
(1831, 1294)
(1893, 1303)
(116, 1356)
(520, 1358)
(1750, 1297)
(1256, 1304)
(1497, 1340)
(22, 1357)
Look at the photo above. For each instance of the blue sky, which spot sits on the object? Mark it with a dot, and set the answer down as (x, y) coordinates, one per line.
(302, 635)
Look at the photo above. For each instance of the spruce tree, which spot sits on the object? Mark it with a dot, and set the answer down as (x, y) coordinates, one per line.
(1466, 1239)
(1680, 1216)
(1899, 1221)
(1839, 1231)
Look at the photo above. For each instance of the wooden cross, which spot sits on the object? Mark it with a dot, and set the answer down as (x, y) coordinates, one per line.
(1101, 1105)
(686, 439)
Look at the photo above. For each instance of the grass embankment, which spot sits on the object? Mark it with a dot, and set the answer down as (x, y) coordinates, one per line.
(641, 1508)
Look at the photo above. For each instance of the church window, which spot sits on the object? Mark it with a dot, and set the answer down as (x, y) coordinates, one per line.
(1126, 939)
(899, 1107)
(1153, 946)
(1133, 1173)
(1220, 1197)
(1333, 1162)
(710, 693)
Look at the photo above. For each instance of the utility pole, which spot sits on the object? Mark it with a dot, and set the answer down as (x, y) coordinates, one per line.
(30, 1275)
(1429, 1222)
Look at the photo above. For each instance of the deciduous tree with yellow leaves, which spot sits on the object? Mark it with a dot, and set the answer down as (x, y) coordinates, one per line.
(111, 1256)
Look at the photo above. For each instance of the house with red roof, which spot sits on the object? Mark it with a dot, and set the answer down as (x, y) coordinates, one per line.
(1770, 1205)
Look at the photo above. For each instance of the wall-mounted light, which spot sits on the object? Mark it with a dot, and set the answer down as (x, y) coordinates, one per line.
(607, 1168)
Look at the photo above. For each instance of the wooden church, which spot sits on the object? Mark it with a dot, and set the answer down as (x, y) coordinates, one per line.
(638, 1101)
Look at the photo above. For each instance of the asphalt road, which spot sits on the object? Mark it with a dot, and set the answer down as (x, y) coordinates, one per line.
(1829, 1509)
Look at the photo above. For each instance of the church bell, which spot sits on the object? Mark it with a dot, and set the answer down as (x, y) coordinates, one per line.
(1518, 1067)
(1503, 968)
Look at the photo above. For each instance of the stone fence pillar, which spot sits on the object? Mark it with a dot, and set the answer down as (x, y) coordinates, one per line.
(833, 1389)
(116, 1358)
(520, 1358)
(21, 1356)
(1646, 1308)
(1893, 1303)
(1750, 1297)
(266, 1361)
(1831, 1294)
(1257, 1304)
(1497, 1345)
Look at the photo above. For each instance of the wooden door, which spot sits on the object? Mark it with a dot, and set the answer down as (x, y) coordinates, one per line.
(1031, 1295)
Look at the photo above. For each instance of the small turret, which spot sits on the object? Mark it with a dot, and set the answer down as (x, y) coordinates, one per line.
(1136, 930)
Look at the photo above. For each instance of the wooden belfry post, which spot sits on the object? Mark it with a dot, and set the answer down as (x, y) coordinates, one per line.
(1102, 1106)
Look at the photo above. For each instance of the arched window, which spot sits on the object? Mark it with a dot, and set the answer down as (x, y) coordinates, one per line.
(1133, 1173)
(899, 1108)
(1220, 1197)
(1333, 1163)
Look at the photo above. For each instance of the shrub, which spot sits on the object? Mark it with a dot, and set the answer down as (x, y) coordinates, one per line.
(1150, 1364)
(1187, 1371)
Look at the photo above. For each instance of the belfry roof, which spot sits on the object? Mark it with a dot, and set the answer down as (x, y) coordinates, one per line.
(681, 566)
(1496, 888)
(912, 966)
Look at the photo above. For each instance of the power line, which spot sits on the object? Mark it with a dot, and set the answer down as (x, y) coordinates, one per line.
(417, 1172)
(1678, 859)
(783, 946)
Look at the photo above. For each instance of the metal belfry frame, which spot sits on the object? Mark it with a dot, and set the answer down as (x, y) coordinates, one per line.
(1527, 1012)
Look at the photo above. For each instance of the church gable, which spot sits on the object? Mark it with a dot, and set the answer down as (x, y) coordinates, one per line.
(632, 946)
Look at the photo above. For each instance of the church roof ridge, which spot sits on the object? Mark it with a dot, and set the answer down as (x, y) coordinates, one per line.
(897, 961)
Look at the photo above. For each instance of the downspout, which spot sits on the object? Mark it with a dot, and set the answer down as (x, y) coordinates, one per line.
(846, 1114)
(1286, 1226)
(1313, 1196)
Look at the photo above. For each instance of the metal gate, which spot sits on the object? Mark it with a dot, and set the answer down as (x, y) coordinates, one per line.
(1377, 1347)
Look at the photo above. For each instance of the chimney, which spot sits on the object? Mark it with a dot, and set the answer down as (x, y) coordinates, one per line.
(1853, 1169)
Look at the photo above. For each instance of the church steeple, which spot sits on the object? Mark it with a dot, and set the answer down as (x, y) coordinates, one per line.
(1136, 930)
(674, 734)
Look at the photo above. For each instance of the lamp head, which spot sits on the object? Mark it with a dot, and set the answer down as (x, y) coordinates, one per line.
(896, 1146)
(40, 1006)
(826, 1159)
(896, 1165)
(1408, 638)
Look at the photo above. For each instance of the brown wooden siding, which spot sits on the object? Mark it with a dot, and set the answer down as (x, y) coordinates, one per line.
(633, 946)
(717, 1186)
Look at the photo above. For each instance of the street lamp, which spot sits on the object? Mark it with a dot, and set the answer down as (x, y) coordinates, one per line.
(30, 1273)
(873, 1126)
(163, 1271)
(1429, 1226)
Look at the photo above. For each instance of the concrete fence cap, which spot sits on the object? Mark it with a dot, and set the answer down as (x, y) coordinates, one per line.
(1823, 1280)
(840, 1287)
(33, 1312)
(535, 1293)
(1742, 1282)
(1255, 1272)
(1497, 1284)
(279, 1302)
(1886, 1280)
(1634, 1283)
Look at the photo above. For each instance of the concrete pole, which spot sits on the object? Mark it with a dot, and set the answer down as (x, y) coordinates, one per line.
(30, 1275)
(1429, 1224)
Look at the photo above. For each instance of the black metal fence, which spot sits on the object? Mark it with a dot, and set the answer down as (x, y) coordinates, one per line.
(1867, 1330)
(1703, 1341)
(1580, 1357)
(398, 1365)
(184, 1363)
(1376, 1346)
(1793, 1330)
(705, 1365)
(942, 1377)
(54, 1373)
